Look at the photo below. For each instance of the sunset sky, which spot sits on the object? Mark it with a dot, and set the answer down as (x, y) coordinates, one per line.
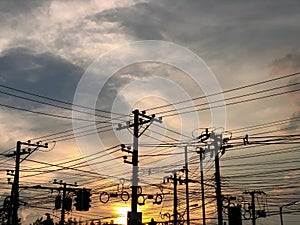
(72, 70)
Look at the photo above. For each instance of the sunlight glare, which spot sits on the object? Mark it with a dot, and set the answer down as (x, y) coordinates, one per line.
(121, 212)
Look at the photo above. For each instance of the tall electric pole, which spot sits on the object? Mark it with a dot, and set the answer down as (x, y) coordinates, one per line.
(203, 138)
(135, 161)
(13, 217)
(216, 143)
(63, 205)
(187, 186)
(201, 154)
(175, 199)
(138, 120)
(14, 198)
(253, 211)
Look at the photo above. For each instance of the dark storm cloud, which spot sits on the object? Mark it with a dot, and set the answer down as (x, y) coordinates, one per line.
(140, 20)
(228, 25)
(42, 73)
(20, 6)
(13, 12)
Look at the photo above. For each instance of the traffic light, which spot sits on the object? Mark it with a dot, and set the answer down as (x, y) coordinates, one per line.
(86, 198)
(79, 200)
(68, 203)
(58, 202)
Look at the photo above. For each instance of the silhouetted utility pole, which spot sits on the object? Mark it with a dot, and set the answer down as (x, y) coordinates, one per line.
(63, 205)
(175, 183)
(14, 198)
(216, 144)
(175, 199)
(203, 138)
(138, 120)
(253, 211)
(187, 186)
(62, 188)
(201, 154)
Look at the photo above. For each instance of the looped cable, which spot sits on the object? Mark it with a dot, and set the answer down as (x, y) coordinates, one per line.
(247, 207)
(141, 196)
(247, 215)
(125, 196)
(158, 199)
(139, 190)
(104, 197)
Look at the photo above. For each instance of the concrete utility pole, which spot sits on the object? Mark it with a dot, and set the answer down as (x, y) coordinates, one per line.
(175, 199)
(201, 153)
(253, 211)
(138, 120)
(187, 186)
(203, 138)
(217, 143)
(63, 205)
(217, 140)
(14, 205)
(135, 160)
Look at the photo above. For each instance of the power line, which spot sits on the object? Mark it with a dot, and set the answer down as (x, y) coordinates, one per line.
(227, 91)
(60, 101)
(46, 114)
(231, 103)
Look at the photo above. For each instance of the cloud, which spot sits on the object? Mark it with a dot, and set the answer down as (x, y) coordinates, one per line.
(43, 73)
(80, 31)
(294, 123)
(60, 27)
(139, 20)
(290, 63)
(17, 7)
(195, 23)
(236, 38)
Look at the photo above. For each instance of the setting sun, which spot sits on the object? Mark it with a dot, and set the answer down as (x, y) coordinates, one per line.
(121, 212)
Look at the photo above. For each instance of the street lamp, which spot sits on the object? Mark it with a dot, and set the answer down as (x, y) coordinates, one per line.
(280, 209)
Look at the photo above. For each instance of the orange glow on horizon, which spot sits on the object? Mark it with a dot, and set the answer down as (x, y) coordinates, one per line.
(121, 212)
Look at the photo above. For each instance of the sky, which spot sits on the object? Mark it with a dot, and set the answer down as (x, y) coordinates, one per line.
(74, 56)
